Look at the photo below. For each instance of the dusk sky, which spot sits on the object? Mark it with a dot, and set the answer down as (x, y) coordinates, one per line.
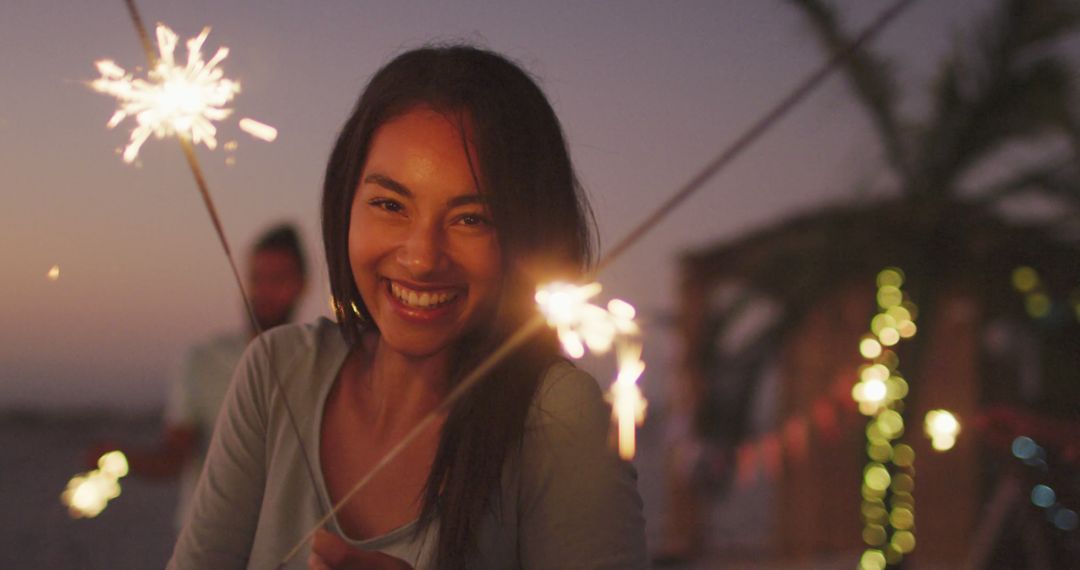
(647, 91)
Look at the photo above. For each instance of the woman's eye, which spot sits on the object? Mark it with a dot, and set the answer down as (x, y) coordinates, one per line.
(473, 220)
(385, 204)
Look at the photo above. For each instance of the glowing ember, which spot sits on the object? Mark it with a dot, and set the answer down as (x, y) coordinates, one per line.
(173, 100)
(258, 130)
(54, 273)
(580, 324)
(87, 494)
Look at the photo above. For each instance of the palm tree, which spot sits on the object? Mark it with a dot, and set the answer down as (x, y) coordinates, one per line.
(950, 223)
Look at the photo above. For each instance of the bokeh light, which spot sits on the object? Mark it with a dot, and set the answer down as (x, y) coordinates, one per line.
(1025, 279)
(873, 511)
(890, 277)
(889, 336)
(903, 483)
(1066, 519)
(1024, 447)
(869, 347)
(889, 296)
(874, 535)
(941, 427)
(903, 455)
(904, 541)
(1043, 496)
(87, 494)
(877, 477)
(891, 424)
(114, 464)
(1037, 305)
(872, 559)
(902, 518)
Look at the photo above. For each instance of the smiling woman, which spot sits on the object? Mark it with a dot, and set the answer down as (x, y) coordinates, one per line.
(448, 197)
(424, 254)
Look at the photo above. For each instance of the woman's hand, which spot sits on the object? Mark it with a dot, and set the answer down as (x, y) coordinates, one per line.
(330, 552)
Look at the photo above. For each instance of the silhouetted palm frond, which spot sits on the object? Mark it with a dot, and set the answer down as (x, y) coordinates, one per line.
(871, 78)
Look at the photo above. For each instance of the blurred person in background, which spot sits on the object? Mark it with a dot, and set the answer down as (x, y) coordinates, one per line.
(276, 279)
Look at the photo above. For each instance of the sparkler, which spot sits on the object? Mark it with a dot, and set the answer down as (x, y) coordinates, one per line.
(581, 324)
(175, 100)
(87, 493)
(183, 102)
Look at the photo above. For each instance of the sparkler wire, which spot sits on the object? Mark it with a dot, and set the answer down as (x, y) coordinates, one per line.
(211, 210)
(510, 345)
(763, 124)
(804, 88)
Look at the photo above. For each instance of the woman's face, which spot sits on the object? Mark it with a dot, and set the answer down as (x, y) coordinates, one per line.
(423, 249)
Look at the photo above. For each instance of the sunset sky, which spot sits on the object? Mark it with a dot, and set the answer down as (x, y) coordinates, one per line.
(647, 91)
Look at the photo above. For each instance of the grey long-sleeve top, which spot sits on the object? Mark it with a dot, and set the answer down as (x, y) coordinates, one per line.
(567, 500)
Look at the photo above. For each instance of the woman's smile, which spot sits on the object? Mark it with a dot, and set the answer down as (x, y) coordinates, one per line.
(423, 305)
(424, 252)
(422, 299)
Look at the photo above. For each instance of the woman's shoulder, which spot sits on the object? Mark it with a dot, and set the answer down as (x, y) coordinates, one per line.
(309, 347)
(286, 341)
(568, 397)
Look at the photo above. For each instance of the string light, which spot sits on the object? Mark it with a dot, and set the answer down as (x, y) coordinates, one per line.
(54, 273)
(1043, 496)
(580, 325)
(87, 494)
(888, 504)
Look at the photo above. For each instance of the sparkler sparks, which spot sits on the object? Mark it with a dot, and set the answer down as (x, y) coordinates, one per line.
(87, 494)
(258, 130)
(581, 324)
(174, 100)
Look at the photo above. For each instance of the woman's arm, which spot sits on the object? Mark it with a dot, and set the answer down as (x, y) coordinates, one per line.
(225, 510)
(578, 502)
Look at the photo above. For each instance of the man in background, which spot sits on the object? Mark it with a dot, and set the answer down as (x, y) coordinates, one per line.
(275, 281)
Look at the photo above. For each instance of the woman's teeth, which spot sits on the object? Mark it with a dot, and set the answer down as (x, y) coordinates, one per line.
(421, 299)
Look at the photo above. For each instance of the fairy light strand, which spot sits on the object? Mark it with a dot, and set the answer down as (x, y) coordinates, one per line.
(888, 502)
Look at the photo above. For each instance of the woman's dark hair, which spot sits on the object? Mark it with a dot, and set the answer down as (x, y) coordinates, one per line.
(543, 227)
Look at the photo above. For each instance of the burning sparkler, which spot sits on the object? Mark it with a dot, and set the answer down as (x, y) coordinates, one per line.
(581, 324)
(175, 100)
(87, 494)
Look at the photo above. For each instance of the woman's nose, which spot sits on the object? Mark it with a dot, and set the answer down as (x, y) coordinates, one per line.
(422, 253)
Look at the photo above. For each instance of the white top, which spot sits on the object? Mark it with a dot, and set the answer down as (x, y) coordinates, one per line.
(567, 500)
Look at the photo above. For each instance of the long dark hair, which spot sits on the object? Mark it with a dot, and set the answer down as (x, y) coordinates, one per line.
(543, 226)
